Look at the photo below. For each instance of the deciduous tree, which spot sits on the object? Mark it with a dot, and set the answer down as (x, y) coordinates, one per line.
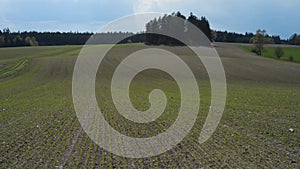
(259, 40)
(279, 52)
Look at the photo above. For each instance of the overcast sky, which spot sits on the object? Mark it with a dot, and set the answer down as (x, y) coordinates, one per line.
(276, 16)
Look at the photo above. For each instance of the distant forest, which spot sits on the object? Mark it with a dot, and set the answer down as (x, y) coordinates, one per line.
(171, 25)
(33, 38)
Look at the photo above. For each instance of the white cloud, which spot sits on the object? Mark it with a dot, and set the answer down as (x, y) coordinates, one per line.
(145, 6)
(141, 6)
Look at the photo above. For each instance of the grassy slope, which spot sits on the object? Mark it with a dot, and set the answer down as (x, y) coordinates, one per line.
(288, 51)
(39, 128)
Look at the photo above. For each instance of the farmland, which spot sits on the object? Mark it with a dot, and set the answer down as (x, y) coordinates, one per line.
(39, 127)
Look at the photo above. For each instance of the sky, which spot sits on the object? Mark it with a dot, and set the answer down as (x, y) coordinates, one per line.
(276, 16)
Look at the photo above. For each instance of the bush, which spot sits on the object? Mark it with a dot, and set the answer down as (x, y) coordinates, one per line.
(279, 52)
(255, 51)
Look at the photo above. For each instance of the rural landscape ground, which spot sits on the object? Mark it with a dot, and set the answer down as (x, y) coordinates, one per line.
(290, 53)
(39, 127)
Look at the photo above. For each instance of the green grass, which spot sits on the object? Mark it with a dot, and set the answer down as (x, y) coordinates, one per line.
(270, 52)
(39, 127)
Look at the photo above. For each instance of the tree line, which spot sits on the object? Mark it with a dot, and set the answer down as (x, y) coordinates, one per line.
(161, 24)
(33, 38)
(294, 39)
(232, 37)
(173, 25)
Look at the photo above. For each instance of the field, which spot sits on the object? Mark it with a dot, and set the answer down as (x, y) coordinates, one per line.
(39, 127)
(269, 51)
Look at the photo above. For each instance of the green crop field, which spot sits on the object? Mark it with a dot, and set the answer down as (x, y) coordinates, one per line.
(39, 127)
(293, 52)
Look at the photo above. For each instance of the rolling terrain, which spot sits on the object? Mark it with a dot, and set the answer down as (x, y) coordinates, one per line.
(39, 127)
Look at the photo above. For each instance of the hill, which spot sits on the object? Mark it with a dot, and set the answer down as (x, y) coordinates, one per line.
(39, 127)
